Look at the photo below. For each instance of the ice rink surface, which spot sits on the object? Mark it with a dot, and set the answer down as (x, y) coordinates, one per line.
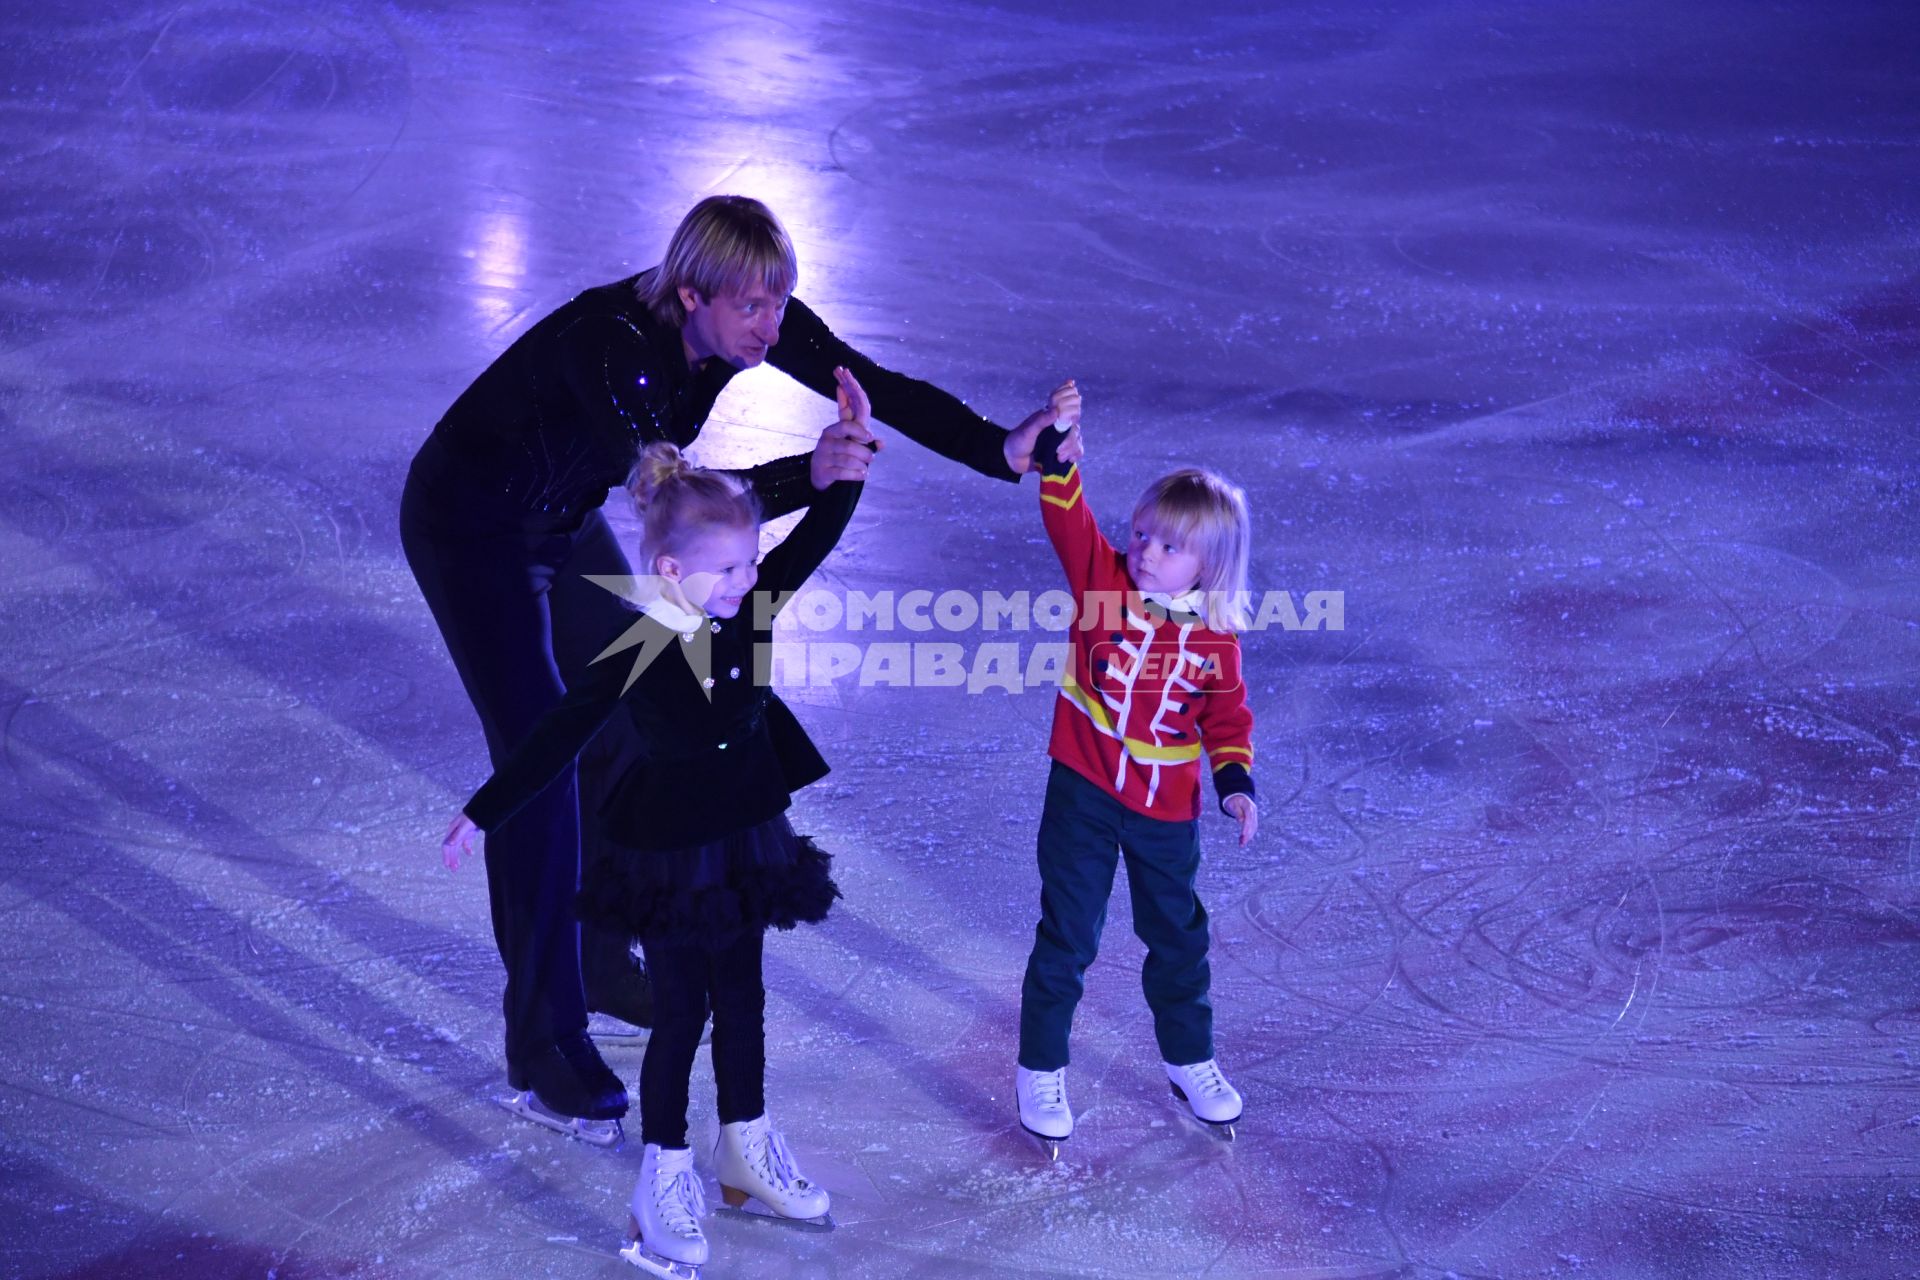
(1574, 345)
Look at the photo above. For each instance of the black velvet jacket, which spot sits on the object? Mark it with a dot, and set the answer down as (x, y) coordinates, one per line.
(716, 752)
(559, 418)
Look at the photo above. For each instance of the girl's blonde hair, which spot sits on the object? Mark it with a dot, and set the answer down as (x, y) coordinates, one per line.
(723, 245)
(1206, 514)
(677, 502)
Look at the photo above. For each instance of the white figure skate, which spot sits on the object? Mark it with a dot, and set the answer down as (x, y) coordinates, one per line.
(664, 1236)
(599, 1133)
(1213, 1101)
(608, 1032)
(752, 1162)
(1043, 1107)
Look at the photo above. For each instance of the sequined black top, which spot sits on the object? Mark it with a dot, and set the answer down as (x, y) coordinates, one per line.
(560, 417)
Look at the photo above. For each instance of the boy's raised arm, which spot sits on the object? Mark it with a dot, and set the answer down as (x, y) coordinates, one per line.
(1070, 526)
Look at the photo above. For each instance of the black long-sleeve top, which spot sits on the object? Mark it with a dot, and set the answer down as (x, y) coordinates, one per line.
(560, 417)
(718, 753)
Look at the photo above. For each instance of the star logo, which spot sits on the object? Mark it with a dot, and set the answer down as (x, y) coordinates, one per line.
(650, 637)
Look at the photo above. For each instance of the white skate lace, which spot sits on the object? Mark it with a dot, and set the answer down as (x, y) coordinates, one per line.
(1206, 1079)
(681, 1203)
(1050, 1088)
(768, 1156)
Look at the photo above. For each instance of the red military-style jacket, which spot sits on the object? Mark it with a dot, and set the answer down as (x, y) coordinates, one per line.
(1151, 687)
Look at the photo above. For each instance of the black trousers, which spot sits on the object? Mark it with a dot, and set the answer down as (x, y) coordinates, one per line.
(688, 982)
(517, 617)
(1084, 832)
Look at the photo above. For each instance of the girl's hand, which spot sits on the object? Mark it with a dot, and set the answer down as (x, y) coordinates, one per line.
(1063, 406)
(459, 842)
(852, 398)
(847, 447)
(1242, 807)
(1072, 449)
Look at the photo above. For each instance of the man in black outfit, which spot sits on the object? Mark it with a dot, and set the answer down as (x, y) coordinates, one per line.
(501, 523)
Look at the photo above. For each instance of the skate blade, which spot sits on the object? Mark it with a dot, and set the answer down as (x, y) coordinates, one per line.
(1221, 1129)
(1049, 1145)
(654, 1265)
(755, 1211)
(606, 1134)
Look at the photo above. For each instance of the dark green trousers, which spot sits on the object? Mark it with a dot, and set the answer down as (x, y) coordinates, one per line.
(1083, 833)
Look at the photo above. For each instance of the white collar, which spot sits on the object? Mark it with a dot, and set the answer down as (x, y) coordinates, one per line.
(672, 616)
(1187, 602)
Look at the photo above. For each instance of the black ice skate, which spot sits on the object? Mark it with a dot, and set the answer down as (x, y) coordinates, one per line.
(568, 1089)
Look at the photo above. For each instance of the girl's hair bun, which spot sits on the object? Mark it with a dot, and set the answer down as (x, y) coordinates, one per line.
(660, 464)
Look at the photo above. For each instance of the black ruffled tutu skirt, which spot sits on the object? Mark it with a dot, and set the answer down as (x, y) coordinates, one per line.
(708, 895)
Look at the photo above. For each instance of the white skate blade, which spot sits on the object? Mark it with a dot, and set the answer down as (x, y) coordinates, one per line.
(599, 1133)
(654, 1265)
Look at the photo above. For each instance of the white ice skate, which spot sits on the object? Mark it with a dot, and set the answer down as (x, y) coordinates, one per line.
(608, 1032)
(599, 1133)
(1214, 1102)
(664, 1232)
(1043, 1107)
(752, 1162)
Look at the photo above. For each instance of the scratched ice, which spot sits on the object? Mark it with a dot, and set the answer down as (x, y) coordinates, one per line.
(1576, 346)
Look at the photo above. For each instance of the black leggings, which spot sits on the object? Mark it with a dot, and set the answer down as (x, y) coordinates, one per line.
(687, 982)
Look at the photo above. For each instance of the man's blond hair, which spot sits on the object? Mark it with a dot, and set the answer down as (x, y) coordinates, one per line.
(725, 244)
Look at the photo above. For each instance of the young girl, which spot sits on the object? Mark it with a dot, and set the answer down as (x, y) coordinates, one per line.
(708, 858)
(1155, 682)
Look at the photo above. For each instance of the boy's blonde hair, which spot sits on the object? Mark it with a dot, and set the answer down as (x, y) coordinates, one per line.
(723, 245)
(1206, 514)
(678, 501)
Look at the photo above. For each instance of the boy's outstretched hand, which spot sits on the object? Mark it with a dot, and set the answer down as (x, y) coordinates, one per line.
(1062, 411)
(459, 842)
(1242, 807)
